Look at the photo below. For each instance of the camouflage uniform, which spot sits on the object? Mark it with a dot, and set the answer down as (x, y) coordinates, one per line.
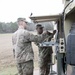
(25, 68)
(24, 55)
(45, 55)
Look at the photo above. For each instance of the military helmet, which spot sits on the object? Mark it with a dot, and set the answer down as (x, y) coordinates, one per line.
(21, 19)
(39, 26)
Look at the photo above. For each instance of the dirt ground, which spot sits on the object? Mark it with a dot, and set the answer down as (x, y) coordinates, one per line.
(6, 54)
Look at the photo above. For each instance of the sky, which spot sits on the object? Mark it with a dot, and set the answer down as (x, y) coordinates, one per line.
(10, 10)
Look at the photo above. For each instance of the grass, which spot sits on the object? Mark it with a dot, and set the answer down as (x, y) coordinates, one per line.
(13, 70)
(9, 71)
(6, 34)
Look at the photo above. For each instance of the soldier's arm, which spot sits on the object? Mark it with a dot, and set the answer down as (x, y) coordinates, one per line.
(51, 34)
(36, 43)
(14, 52)
(36, 38)
(13, 42)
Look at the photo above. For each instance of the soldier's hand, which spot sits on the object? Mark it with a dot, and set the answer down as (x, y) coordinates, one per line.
(54, 31)
(48, 33)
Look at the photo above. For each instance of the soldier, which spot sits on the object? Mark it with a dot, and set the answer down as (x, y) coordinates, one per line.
(45, 53)
(22, 47)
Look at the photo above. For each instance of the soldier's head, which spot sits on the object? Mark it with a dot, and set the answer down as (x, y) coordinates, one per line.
(22, 22)
(39, 28)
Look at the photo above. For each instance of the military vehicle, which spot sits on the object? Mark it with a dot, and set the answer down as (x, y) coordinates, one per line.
(65, 23)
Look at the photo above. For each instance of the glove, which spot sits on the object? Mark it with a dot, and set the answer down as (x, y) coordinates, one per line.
(49, 33)
(54, 31)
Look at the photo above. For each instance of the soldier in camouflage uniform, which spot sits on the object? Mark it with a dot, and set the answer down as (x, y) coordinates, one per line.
(22, 48)
(45, 53)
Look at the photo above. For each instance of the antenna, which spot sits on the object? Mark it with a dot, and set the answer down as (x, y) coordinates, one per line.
(31, 14)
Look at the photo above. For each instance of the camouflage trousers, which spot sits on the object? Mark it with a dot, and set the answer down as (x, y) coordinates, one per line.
(44, 65)
(25, 68)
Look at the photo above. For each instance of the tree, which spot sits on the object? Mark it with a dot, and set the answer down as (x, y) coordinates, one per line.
(13, 26)
(1, 29)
